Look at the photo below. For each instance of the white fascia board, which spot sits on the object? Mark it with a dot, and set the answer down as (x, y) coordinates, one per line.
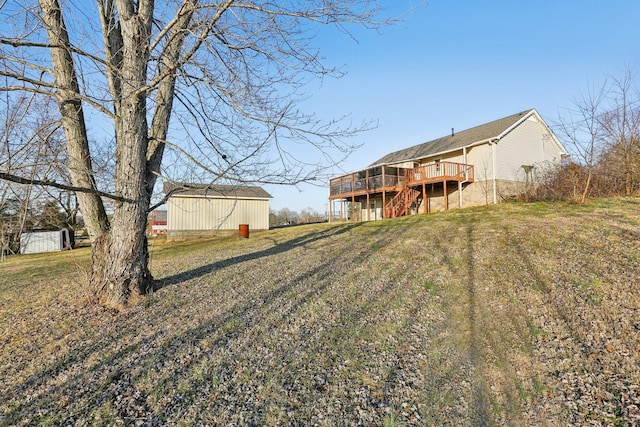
(561, 146)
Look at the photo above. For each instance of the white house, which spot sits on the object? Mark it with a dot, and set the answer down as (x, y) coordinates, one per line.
(484, 164)
(201, 209)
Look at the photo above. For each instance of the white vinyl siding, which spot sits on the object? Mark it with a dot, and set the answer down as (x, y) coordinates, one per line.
(528, 144)
(193, 213)
(480, 157)
(454, 157)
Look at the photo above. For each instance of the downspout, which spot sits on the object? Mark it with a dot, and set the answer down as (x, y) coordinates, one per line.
(493, 144)
(460, 183)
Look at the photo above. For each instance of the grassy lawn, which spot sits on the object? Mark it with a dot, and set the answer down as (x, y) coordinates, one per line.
(517, 314)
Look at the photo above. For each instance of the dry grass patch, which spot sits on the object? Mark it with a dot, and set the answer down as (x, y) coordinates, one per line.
(520, 314)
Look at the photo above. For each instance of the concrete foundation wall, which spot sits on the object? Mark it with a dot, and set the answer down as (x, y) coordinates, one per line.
(475, 194)
(481, 192)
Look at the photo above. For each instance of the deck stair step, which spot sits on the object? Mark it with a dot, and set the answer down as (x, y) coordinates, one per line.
(399, 205)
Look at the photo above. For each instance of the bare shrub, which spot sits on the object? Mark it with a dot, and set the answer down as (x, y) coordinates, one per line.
(564, 182)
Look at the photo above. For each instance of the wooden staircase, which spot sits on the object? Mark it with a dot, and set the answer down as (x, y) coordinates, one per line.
(399, 205)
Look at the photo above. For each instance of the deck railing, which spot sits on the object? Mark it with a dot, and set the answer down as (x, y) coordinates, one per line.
(439, 171)
(355, 183)
(352, 184)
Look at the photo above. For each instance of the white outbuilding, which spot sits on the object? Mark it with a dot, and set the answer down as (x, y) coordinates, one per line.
(34, 242)
(202, 209)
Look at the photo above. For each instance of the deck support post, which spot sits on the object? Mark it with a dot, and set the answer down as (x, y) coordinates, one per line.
(424, 198)
(368, 208)
(384, 204)
(353, 208)
(446, 195)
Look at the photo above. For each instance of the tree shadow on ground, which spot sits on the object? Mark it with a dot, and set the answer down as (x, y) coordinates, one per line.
(276, 249)
(480, 391)
(112, 384)
(465, 319)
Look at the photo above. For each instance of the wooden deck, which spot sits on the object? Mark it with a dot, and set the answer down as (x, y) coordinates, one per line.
(399, 187)
(361, 183)
(368, 181)
(439, 172)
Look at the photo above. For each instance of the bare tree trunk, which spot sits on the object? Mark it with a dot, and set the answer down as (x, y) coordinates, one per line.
(73, 121)
(121, 257)
(120, 270)
(119, 254)
(585, 190)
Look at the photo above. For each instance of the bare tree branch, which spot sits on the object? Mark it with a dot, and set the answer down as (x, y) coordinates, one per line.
(47, 183)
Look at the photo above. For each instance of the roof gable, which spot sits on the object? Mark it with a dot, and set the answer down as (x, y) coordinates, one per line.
(215, 191)
(466, 138)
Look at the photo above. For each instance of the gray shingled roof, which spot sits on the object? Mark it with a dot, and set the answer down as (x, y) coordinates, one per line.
(449, 143)
(216, 191)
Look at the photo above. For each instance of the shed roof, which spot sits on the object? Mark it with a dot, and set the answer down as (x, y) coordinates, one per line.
(458, 140)
(186, 189)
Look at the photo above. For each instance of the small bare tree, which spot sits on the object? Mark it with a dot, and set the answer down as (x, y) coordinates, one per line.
(211, 84)
(621, 126)
(16, 210)
(33, 150)
(582, 130)
(309, 215)
(603, 129)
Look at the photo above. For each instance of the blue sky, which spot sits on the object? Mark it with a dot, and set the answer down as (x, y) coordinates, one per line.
(461, 63)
